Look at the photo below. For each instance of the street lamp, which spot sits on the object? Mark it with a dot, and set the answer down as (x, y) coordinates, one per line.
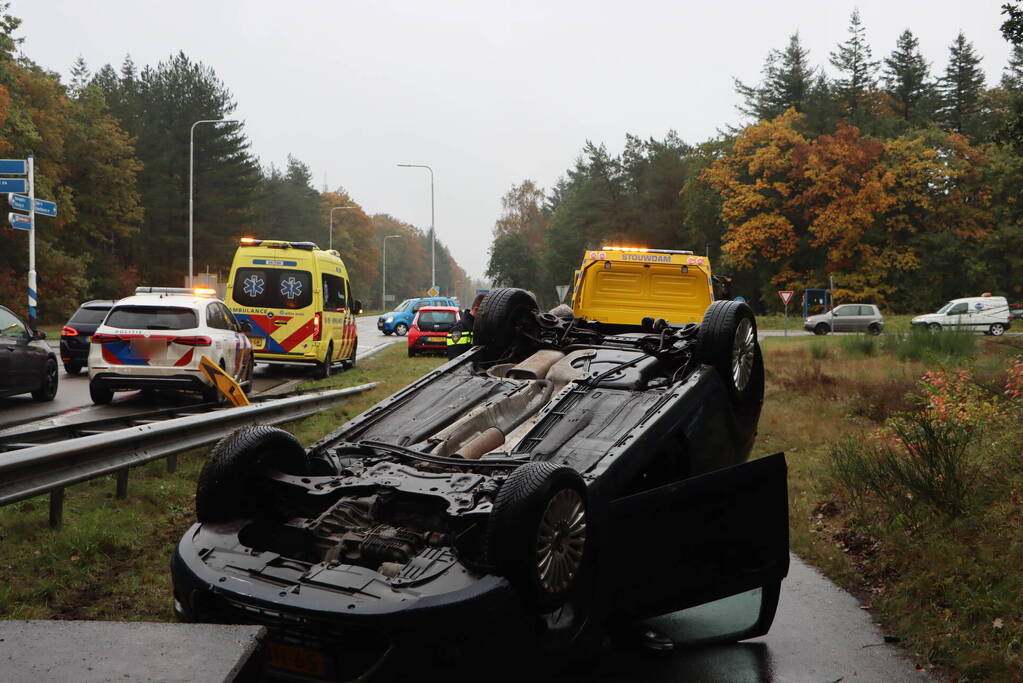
(336, 208)
(383, 273)
(191, 183)
(433, 252)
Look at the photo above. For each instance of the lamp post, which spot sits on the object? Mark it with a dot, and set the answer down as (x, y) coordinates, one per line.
(433, 251)
(330, 239)
(383, 273)
(191, 184)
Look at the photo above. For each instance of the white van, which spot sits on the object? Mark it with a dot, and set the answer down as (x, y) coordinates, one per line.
(985, 313)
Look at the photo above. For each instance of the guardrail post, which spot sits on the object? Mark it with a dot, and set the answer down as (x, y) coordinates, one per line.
(56, 508)
(122, 484)
(172, 463)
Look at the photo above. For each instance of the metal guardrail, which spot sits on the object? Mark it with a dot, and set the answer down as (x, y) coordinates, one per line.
(49, 468)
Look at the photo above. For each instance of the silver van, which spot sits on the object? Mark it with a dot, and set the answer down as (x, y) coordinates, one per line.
(847, 318)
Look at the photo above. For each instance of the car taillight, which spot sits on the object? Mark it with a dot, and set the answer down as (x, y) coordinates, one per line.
(105, 338)
(68, 332)
(193, 341)
(316, 327)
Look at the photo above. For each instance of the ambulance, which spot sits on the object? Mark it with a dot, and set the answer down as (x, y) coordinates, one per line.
(298, 302)
(620, 286)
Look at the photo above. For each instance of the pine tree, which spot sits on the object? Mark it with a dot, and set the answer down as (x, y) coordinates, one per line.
(1012, 75)
(80, 76)
(962, 87)
(857, 70)
(906, 78)
(788, 81)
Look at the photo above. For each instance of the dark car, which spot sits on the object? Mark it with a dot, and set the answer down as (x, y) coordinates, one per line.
(549, 483)
(26, 362)
(74, 338)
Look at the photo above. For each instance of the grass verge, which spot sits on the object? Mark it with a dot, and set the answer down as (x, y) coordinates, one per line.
(110, 560)
(926, 528)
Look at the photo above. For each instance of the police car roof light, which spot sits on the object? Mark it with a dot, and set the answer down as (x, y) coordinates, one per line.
(198, 291)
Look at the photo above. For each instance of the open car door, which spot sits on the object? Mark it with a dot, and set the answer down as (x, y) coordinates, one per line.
(707, 553)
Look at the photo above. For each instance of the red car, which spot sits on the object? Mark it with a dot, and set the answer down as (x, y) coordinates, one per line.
(429, 331)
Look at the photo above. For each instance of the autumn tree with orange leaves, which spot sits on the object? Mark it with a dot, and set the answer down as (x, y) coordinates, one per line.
(844, 205)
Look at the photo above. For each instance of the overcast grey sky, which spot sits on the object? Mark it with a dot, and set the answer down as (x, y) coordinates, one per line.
(487, 93)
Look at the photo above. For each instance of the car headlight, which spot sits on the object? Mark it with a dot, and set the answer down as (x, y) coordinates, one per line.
(389, 319)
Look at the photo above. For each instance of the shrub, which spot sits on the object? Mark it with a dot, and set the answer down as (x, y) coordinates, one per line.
(820, 349)
(948, 346)
(859, 344)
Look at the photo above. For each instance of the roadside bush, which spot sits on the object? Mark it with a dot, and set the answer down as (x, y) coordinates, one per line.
(820, 349)
(859, 344)
(918, 460)
(947, 346)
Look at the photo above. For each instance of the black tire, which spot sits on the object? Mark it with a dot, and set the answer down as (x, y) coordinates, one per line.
(350, 363)
(401, 329)
(502, 312)
(514, 533)
(386, 333)
(821, 329)
(323, 369)
(72, 368)
(411, 352)
(874, 329)
(727, 341)
(247, 384)
(48, 383)
(228, 483)
(101, 396)
(997, 329)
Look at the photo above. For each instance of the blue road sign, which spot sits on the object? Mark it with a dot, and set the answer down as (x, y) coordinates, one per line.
(19, 221)
(13, 185)
(19, 202)
(13, 166)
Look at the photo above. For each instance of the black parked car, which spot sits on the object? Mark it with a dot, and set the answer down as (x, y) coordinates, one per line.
(74, 338)
(26, 362)
(550, 482)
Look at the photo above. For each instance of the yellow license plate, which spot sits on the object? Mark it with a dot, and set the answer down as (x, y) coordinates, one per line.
(257, 342)
(297, 659)
(436, 339)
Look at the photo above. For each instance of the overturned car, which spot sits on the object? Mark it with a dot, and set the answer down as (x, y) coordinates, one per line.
(558, 479)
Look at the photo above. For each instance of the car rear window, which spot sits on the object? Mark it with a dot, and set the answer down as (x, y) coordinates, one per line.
(432, 317)
(152, 318)
(90, 316)
(273, 288)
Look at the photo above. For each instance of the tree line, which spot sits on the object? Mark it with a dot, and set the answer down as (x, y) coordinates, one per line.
(112, 150)
(895, 180)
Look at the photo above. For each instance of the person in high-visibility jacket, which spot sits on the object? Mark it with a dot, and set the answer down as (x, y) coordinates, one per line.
(460, 335)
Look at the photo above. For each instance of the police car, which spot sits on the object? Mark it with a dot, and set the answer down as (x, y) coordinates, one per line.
(155, 340)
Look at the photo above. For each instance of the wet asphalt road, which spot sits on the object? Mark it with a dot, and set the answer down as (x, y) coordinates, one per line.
(72, 403)
(820, 635)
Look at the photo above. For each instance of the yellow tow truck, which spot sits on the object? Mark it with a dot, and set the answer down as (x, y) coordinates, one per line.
(620, 286)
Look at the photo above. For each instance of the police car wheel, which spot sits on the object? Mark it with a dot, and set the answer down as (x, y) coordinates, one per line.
(100, 395)
(411, 353)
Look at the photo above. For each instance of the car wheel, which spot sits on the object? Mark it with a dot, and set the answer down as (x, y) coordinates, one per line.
(323, 368)
(727, 341)
(998, 329)
(411, 352)
(386, 333)
(401, 329)
(48, 386)
(537, 533)
(874, 329)
(228, 484)
(821, 329)
(502, 313)
(72, 368)
(934, 327)
(247, 384)
(101, 396)
(350, 363)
